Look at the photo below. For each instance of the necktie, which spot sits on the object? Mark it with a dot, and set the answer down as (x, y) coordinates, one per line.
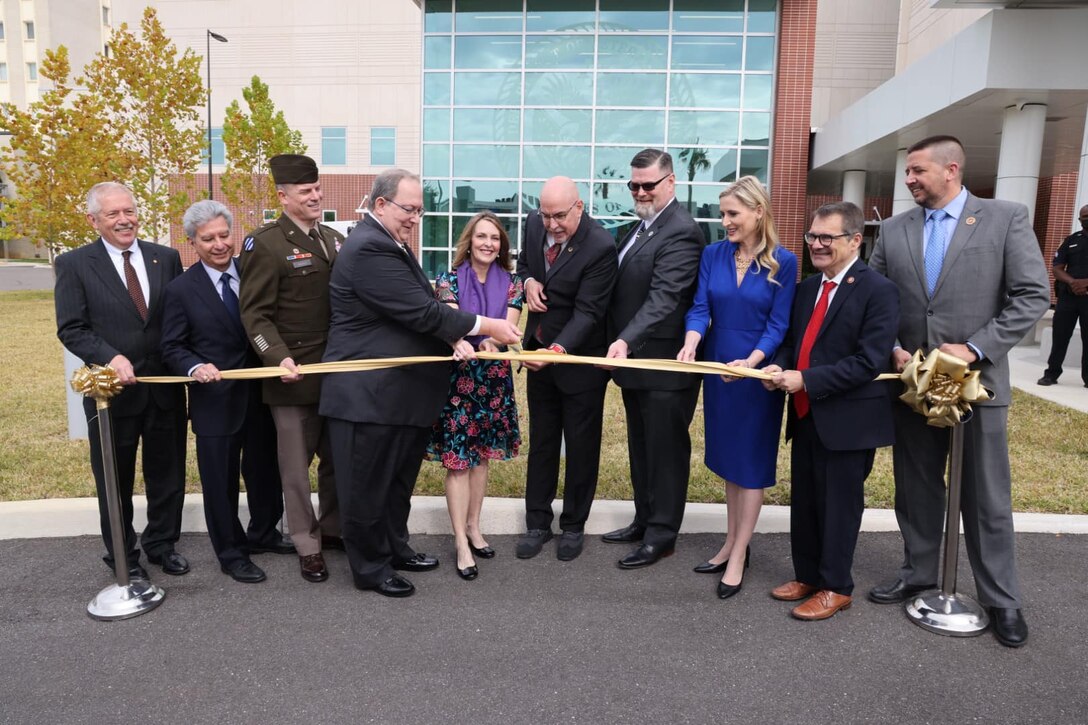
(935, 248)
(133, 284)
(624, 248)
(552, 253)
(316, 236)
(800, 398)
(230, 300)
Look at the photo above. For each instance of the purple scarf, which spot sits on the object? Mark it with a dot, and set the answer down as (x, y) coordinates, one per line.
(487, 298)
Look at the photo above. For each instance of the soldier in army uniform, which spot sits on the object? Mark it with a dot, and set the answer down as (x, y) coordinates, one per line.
(1071, 285)
(284, 297)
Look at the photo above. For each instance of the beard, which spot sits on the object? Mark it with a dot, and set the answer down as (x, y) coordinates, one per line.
(645, 210)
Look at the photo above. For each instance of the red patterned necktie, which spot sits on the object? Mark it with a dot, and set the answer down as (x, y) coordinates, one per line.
(133, 284)
(552, 253)
(800, 398)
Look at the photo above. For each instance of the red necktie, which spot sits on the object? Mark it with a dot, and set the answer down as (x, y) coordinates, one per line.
(552, 253)
(800, 398)
(133, 284)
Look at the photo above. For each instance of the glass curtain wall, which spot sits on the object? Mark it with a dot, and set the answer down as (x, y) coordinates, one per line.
(517, 91)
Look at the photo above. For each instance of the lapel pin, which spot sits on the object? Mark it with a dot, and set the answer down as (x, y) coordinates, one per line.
(652, 232)
(970, 220)
(154, 261)
(849, 280)
(294, 251)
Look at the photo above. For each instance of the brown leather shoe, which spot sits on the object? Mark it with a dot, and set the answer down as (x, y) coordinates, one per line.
(792, 591)
(821, 605)
(313, 568)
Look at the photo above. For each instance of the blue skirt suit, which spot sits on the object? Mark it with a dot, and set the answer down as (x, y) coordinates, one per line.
(743, 420)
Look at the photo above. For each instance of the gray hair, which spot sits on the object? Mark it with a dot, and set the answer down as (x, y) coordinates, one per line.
(853, 220)
(203, 212)
(94, 203)
(386, 184)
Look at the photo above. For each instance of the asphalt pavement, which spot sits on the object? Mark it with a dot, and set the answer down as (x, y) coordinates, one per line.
(25, 276)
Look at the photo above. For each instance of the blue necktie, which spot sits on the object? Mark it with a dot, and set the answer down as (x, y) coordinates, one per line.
(935, 248)
(229, 298)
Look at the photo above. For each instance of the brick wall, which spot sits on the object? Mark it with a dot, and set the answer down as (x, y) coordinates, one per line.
(1055, 213)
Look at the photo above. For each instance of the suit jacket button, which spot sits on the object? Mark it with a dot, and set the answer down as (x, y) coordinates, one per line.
(929, 313)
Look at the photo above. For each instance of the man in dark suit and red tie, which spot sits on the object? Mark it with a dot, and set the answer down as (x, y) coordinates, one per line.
(109, 302)
(841, 334)
(568, 262)
(655, 286)
(202, 335)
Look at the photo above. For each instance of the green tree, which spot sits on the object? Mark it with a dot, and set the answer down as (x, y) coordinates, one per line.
(154, 96)
(249, 141)
(60, 146)
(696, 160)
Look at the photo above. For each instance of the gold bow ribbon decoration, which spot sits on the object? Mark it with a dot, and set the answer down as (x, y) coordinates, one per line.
(941, 387)
(98, 382)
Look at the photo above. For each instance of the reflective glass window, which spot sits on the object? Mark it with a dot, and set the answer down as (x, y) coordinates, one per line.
(613, 162)
(487, 89)
(485, 160)
(701, 200)
(706, 52)
(487, 51)
(713, 90)
(470, 197)
(488, 16)
(436, 124)
(762, 16)
(756, 130)
(646, 128)
(558, 89)
(436, 197)
(219, 151)
(436, 51)
(438, 16)
(694, 163)
(759, 54)
(612, 199)
(542, 162)
(436, 261)
(703, 128)
(561, 15)
(383, 146)
(436, 159)
(551, 124)
(486, 124)
(559, 51)
(618, 16)
(436, 89)
(632, 51)
(334, 146)
(631, 89)
(758, 90)
(754, 162)
(708, 16)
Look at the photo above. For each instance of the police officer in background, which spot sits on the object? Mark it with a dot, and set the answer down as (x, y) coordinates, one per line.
(1071, 286)
(284, 297)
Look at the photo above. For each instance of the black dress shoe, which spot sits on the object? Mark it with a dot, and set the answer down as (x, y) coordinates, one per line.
(531, 542)
(897, 591)
(138, 572)
(645, 555)
(276, 545)
(418, 562)
(171, 561)
(627, 535)
(332, 542)
(727, 590)
(485, 552)
(569, 546)
(1046, 380)
(469, 572)
(244, 571)
(1009, 626)
(394, 586)
(707, 568)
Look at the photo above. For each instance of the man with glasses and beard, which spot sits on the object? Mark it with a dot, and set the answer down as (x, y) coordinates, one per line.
(655, 285)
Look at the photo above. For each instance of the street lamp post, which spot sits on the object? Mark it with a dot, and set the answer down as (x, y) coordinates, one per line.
(208, 63)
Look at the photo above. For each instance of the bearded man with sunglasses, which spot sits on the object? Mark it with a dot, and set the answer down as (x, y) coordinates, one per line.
(655, 285)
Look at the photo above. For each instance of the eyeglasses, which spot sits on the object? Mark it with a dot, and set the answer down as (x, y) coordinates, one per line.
(823, 240)
(412, 210)
(648, 186)
(549, 218)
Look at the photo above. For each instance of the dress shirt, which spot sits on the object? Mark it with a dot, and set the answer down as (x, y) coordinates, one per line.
(137, 260)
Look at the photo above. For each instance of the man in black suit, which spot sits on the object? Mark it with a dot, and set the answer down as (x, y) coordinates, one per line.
(842, 331)
(658, 271)
(109, 312)
(383, 306)
(568, 262)
(202, 334)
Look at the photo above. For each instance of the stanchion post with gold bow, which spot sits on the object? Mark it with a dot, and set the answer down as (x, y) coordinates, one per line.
(128, 597)
(942, 388)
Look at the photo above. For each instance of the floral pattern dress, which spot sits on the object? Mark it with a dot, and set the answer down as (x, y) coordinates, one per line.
(480, 420)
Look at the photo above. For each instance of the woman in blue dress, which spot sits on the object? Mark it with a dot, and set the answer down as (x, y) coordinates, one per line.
(740, 315)
(480, 421)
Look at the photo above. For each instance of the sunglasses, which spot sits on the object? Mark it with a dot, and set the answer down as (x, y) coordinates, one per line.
(648, 186)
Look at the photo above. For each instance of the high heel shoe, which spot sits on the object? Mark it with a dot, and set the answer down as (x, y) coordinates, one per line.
(485, 552)
(469, 573)
(727, 590)
(708, 568)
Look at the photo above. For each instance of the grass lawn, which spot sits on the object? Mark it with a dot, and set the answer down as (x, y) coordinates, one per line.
(1048, 443)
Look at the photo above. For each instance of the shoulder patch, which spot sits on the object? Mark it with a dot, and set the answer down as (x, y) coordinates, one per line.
(248, 244)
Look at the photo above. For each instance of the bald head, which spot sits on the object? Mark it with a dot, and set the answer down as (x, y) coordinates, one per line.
(1084, 217)
(558, 190)
(560, 208)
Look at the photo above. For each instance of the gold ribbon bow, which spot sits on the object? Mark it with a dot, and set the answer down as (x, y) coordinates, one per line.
(941, 387)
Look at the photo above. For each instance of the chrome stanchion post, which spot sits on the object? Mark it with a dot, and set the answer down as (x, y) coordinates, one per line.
(943, 610)
(128, 597)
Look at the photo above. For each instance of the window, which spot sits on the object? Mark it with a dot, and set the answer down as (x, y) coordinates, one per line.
(32, 71)
(334, 146)
(328, 215)
(2, 35)
(28, 26)
(219, 154)
(105, 15)
(383, 146)
(3, 72)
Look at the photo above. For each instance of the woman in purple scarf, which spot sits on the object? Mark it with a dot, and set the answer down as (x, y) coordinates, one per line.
(480, 421)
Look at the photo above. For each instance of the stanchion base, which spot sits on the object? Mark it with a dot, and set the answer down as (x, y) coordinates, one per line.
(953, 615)
(117, 602)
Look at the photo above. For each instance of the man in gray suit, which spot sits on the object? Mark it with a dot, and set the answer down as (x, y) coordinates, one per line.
(971, 283)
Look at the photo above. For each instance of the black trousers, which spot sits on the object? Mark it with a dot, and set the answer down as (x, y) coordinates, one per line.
(555, 416)
(1069, 310)
(252, 453)
(162, 434)
(659, 446)
(376, 467)
(826, 504)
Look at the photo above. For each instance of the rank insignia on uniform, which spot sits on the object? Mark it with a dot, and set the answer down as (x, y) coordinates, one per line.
(262, 344)
(298, 255)
(248, 244)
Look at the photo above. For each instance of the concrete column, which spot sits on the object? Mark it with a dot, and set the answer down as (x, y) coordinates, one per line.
(853, 187)
(901, 199)
(1021, 152)
(1082, 179)
(77, 419)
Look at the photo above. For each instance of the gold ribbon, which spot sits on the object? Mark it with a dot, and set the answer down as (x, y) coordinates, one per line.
(941, 387)
(97, 381)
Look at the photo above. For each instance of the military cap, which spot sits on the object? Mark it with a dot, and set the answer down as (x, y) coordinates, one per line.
(293, 169)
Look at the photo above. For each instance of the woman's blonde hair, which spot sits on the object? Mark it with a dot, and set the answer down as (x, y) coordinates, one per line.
(464, 243)
(749, 192)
